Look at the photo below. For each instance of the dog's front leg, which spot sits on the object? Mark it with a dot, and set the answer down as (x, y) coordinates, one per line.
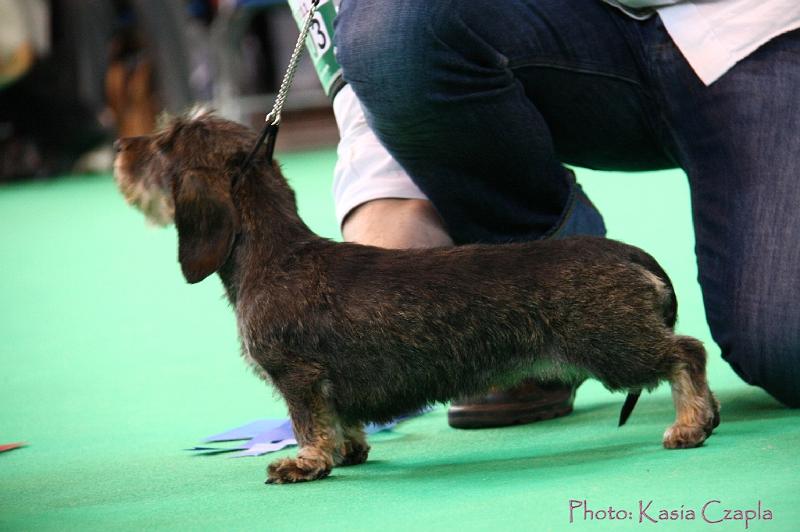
(319, 436)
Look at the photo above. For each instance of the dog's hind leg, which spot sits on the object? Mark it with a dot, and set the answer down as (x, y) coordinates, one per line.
(356, 448)
(696, 408)
(319, 435)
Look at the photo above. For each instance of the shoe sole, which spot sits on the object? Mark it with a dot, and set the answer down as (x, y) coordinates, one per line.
(493, 416)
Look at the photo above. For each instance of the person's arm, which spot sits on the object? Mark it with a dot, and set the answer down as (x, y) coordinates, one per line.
(376, 201)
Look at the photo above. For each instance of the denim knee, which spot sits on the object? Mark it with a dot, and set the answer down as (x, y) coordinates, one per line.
(393, 57)
(763, 348)
(381, 48)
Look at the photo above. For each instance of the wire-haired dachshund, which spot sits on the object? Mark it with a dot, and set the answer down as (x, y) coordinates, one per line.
(350, 333)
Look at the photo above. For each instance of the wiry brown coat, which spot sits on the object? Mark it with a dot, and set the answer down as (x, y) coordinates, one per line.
(350, 333)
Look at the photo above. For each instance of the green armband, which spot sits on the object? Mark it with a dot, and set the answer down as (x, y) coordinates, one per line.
(320, 42)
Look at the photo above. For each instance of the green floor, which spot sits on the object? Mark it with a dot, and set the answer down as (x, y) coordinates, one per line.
(111, 365)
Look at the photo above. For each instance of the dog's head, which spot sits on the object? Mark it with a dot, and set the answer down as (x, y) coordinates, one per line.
(183, 173)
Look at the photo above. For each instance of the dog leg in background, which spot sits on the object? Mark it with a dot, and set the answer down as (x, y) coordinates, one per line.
(356, 448)
(319, 436)
(696, 408)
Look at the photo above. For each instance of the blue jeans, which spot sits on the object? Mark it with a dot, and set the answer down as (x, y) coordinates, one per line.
(481, 102)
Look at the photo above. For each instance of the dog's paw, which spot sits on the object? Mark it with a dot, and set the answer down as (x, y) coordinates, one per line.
(355, 453)
(291, 470)
(685, 436)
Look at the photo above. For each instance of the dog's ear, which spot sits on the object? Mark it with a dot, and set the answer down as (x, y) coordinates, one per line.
(207, 224)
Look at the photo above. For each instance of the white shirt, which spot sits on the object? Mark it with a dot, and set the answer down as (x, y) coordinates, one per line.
(364, 169)
(713, 35)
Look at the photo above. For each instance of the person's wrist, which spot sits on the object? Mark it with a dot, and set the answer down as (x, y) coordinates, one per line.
(396, 223)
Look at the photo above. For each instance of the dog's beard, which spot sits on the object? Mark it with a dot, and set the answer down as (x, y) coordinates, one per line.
(157, 208)
(154, 203)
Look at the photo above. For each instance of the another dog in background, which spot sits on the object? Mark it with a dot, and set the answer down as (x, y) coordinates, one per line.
(350, 334)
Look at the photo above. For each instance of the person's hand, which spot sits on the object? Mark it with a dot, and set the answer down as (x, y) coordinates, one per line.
(396, 223)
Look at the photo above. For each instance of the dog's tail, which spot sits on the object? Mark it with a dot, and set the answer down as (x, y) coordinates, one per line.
(628, 406)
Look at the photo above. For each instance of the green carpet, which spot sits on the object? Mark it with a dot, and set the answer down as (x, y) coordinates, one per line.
(111, 365)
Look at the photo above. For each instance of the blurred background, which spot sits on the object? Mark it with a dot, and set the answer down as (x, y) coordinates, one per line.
(111, 366)
(76, 74)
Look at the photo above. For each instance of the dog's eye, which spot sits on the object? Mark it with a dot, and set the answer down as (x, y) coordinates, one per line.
(163, 146)
(165, 142)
